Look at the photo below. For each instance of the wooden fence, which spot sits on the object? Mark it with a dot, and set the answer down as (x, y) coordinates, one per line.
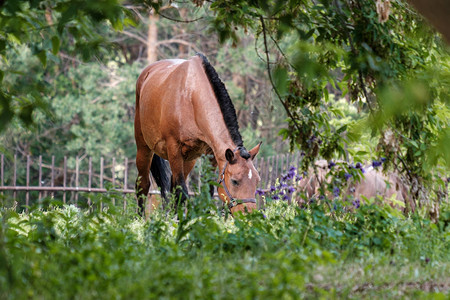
(26, 178)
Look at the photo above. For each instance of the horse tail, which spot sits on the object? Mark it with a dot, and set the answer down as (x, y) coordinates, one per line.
(160, 170)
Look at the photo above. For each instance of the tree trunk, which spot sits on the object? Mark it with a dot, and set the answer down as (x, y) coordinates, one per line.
(152, 38)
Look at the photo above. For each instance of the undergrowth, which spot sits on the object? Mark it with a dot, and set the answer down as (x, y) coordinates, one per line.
(287, 252)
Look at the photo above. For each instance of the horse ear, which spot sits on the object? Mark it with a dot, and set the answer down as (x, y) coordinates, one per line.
(255, 150)
(229, 155)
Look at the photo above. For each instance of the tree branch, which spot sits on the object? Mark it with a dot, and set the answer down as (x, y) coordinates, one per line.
(178, 41)
(179, 21)
(135, 36)
(286, 108)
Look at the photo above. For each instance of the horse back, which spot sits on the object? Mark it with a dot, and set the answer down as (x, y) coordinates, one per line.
(164, 105)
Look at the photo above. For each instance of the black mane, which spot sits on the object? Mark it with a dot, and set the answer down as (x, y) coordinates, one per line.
(226, 106)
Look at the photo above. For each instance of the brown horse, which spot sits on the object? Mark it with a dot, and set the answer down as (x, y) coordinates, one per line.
(183, 111)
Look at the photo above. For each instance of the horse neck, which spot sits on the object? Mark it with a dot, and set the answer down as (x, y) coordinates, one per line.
(210, 120)
(208, 114)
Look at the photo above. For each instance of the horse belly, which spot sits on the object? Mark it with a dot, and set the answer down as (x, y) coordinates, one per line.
(193, 149)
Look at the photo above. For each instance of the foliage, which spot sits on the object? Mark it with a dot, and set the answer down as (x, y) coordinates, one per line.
(92, 114)
(283, 251)
(46, 28)
(392, 66)
(73, 107)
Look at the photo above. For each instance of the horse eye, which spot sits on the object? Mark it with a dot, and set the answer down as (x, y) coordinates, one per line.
(234, 182)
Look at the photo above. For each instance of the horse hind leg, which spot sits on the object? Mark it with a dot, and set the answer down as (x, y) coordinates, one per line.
(153, 201)
(143, 161)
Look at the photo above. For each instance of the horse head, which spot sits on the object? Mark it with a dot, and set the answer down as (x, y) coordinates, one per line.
(239, 179)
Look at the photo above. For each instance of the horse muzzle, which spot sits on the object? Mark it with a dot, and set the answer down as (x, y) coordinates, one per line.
(235, 202)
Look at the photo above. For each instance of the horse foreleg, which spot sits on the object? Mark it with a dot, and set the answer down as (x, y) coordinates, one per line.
(143, 161)
(178, 183)
(179, 188)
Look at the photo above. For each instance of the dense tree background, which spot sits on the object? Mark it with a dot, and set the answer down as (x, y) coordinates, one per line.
(352, 80)
(381, 54)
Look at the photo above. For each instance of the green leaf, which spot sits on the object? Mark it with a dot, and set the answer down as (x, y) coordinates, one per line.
(342, 129)
(414, 143)
(6, 113)
(55, 44)
(13, 38)
(42, 55)
(2, 45)
(284, 132)
(280, 78)
(360, 152)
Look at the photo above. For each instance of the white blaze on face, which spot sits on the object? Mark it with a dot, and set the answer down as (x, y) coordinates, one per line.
(250, 174)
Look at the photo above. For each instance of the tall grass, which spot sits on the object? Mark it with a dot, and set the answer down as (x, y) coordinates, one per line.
(61, 252)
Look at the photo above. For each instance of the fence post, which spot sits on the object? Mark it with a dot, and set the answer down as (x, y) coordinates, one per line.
(40, 176)
(101, 180)
(27, 197)
(125, 183)
(1, 172)
(52, 184)
(90, 181)
(101, 172)
(15, 176)
(113, 171)
(77, 169)
(64, 178)
(270, 170)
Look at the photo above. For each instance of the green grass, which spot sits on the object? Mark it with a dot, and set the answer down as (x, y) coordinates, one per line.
(281, 253)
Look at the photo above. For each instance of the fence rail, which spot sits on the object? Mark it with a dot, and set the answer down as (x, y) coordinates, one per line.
(24, 178)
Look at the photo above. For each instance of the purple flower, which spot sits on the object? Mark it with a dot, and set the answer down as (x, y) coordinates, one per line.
(303, 153)
(291, 189)
(286, 197)
(291, 174)
(311, 139)
(273, 189)
(376, 163)
(347, 176)
(260, 192)
(292, 169)
(321, 197)
(264, 216)
(360, 166)
(298, 178)
(276, 197)
(331, 164)
(383, 159)
(356, 203)
(336, 191)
